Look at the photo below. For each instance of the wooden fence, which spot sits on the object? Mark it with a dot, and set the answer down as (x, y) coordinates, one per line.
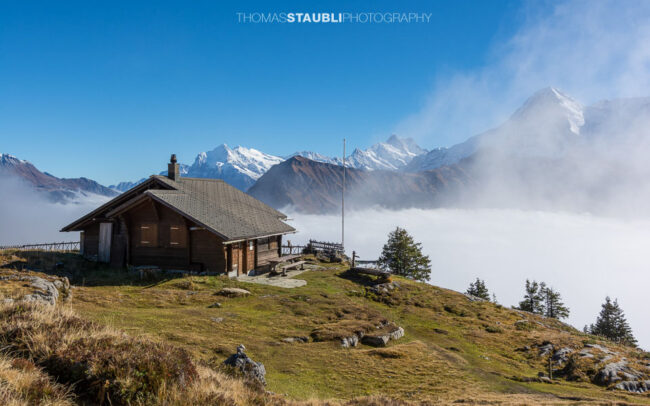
(316, 246)
(361, 263)
(312, 247)
(293, 249)
(72, 246)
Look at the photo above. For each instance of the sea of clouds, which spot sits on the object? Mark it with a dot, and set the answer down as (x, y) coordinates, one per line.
(583, 256)
(27, 217)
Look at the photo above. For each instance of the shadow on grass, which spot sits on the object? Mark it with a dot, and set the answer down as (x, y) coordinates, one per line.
(360, 279)
(76, 268)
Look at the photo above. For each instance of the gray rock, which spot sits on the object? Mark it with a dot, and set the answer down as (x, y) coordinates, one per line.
(216, 319)
(47, 291)
(215, 304)
(383, 287)
(615, 372)
(585, 353)
(601, 348)
(380, 340)
(545, 349)
(233, 292)
(251, 369)
(376, 340)
(351, 341)
(295, 339)
(397, 334)
(561, 356)
(634, 386)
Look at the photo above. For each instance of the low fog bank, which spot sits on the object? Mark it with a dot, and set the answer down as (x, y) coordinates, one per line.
(27, 216)
(583, 256)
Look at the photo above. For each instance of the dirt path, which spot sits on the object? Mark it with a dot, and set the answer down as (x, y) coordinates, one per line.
(279, 281)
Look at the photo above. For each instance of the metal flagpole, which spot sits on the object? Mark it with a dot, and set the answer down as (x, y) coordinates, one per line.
(343, 202)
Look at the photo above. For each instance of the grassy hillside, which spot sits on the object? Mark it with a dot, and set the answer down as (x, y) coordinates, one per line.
(454, 349)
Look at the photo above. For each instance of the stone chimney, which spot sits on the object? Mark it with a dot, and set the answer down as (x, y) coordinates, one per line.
(173, 169)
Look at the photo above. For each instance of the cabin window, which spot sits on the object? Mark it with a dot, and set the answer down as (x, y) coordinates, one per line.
(262, 244)
(177, 237)
(251, 245)
(149, 235)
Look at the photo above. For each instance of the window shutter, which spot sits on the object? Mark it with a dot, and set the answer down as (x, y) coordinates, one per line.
(177, 237)
(149, 235)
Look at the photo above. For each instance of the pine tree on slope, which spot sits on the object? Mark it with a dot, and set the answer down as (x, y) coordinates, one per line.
(554, 307)
(403, 256)
(533, 300)
(478, 289)
(612, 324)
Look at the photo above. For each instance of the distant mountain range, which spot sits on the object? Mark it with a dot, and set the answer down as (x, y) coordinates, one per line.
(55, 189)
(552, 149)
(315, 187)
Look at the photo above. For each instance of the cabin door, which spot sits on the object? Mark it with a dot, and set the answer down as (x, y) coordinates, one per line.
(105, 234)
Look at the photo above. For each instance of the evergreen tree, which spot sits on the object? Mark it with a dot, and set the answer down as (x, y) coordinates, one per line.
(533, 300)
(554, 307)
(478, 289)
(403, 256)
(612, 324)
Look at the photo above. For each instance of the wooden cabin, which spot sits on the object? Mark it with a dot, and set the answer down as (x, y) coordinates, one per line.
(175, 223)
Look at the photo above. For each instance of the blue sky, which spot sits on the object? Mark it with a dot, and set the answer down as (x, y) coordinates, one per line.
(84, 85)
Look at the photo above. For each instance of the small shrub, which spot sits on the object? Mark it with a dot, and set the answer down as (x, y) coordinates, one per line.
(455, 310)
(523, 325)
(493, 329)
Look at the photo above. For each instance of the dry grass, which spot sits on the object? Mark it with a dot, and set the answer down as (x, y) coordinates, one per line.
(454, 350)
(22, 383)
(100, 365)
(104, 366)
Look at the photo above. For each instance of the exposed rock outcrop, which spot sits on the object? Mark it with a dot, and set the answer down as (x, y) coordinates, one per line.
(380, 340)
(45, 290)
(595, 363)
(249, 368)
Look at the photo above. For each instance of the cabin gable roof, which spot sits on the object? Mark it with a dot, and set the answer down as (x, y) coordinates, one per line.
(211, 203)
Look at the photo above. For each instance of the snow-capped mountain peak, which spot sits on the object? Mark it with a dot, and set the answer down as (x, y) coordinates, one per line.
(393, 154)
(405, 144)
(7, 159)
(315, 156)
(239, 166)
(551, 101)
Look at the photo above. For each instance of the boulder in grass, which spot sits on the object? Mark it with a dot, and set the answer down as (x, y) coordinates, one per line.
(249, 368)
(380, 340)
(233, 292)
(351, 341)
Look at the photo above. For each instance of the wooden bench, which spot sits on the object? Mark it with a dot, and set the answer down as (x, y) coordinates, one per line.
(297, 264)
(287, 258)
(284, 268)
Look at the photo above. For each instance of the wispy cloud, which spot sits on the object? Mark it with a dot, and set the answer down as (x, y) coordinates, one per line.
(26, 216)
(591, 50)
